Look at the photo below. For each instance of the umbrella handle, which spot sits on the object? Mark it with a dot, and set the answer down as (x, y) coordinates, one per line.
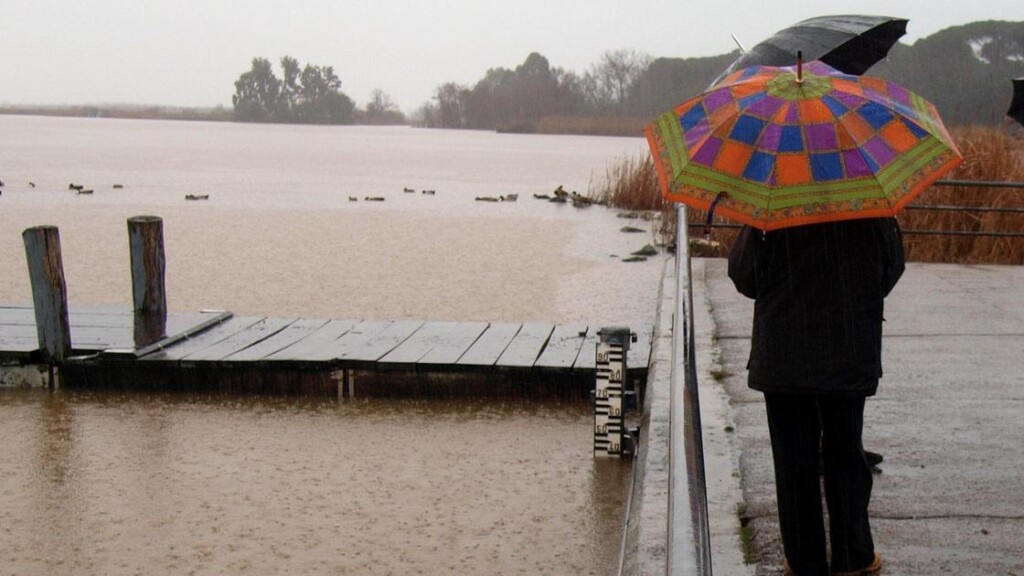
(711, 212)
(799, 66)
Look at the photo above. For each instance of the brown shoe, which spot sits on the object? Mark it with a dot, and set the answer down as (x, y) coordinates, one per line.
(874, 568)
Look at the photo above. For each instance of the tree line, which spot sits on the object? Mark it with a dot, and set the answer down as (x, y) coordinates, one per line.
(515, 99)
(965, 70)
(304, 95)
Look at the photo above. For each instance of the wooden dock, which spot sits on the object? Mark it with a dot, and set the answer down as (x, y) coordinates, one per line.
(216, 350)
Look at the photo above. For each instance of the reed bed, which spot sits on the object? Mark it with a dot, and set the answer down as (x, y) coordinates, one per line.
(630, 183)
(591, 125)
(990, 154)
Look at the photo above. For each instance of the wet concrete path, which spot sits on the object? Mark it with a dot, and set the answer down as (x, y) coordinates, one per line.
(948, 418)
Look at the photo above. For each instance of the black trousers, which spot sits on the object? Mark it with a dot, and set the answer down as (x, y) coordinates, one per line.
(802, 427)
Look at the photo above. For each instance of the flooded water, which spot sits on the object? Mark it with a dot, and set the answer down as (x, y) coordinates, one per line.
(279, 235)
(102, 484)
(135, 484)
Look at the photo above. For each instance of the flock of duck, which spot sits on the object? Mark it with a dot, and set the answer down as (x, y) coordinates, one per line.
(81, 189)
(559, 195)
(381, 198)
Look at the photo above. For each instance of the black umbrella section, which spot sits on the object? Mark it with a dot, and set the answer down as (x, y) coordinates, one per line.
(1016, 110)
(850, 43)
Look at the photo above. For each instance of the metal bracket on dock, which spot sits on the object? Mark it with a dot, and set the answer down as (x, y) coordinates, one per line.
(610, 435)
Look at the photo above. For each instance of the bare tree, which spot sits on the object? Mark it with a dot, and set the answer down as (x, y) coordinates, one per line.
(381, 109)
(613, 76)
(451, 105)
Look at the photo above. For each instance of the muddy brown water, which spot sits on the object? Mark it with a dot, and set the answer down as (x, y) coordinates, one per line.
(94, 483)
(147, 483)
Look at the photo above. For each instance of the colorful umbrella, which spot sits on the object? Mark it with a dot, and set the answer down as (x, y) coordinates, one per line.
(778, 147)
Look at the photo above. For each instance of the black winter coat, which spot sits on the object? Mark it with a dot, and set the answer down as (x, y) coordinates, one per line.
(818, 295)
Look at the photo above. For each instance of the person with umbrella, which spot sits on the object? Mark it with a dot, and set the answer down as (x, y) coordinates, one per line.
(816, 355)
(816, 165)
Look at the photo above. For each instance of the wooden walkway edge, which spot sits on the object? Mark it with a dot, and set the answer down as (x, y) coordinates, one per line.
(217, 340)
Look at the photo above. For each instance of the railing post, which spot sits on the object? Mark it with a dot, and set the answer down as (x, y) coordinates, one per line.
(149, 296)
(49, 293)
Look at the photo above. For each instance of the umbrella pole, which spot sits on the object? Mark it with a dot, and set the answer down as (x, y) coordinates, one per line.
(799, 66)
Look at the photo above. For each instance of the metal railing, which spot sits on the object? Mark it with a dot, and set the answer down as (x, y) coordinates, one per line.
(689, 538)
(938, 208)
(906, 232)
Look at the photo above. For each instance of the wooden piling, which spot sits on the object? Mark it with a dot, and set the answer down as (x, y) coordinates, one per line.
(146, 245)
(49, 292)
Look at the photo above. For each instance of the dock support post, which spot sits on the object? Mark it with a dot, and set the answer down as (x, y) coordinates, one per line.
(610, 436)
(345, 379)
(49, 293)
(146, 244)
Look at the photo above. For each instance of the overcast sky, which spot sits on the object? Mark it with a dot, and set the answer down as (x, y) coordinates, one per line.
(190, 52)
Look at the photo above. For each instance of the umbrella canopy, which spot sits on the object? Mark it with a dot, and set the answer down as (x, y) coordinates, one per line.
(848, 43)
(1016, 110)
(790, 147)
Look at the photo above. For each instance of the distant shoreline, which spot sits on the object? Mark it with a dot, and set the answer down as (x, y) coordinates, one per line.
(557, 125)
(217, 114)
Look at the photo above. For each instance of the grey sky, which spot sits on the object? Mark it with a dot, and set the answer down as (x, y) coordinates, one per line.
(189, 52)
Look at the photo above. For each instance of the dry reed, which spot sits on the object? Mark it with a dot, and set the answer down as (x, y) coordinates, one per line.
(989, 154)
(591, 125)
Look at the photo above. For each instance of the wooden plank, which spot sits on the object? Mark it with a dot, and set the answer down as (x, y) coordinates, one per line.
(356, 338)
(316, 346)
(15, 346)
(96, 316)
(100, 338)
(180, 323)
(115, 332)
(587, 359)
(100, 309)
(178, 328)
(17, 315)
(204, 339)
(93, 319)
(490, 345)
(563, 347)
(418, 345)
(18, 331)
(374, 348)
(254, 334)
(95, 332)
(291, 334)
(454, 345)
(527, 346)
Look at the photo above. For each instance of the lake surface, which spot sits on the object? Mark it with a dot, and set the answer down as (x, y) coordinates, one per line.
(98, 483)
(279, 236)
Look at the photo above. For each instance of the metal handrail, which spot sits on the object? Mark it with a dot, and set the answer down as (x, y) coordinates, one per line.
(906, 231)
(979, 183)
(941, 207)
(689, 537)
(946, 208)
